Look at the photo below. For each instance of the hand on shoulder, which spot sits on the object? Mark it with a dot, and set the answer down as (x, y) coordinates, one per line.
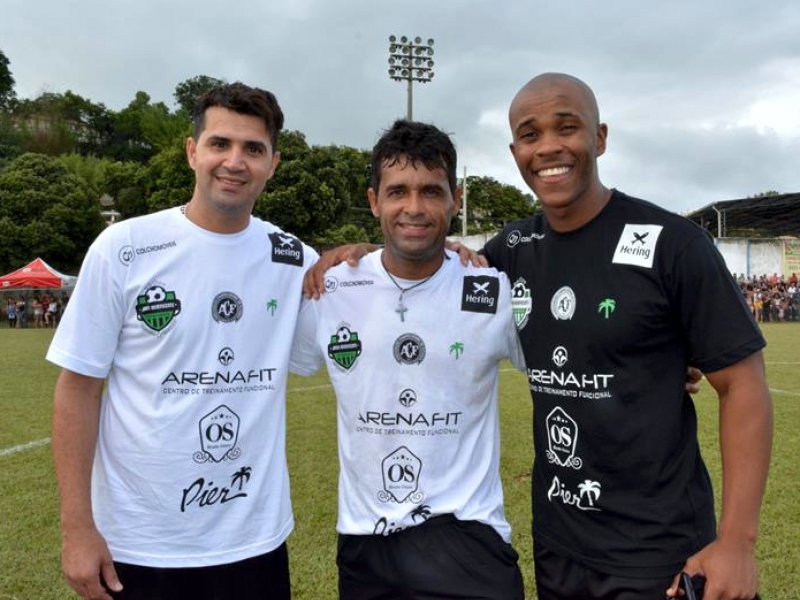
(314, 280)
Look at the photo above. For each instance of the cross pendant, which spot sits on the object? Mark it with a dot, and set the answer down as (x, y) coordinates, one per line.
(401, 310)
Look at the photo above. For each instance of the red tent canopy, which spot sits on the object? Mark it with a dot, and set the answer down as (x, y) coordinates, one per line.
(37, 275)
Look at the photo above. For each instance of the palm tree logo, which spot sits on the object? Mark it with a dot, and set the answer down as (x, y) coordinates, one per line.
(423, 511)
(457, 348)
(607, 307)
(590, 489)
(272, 306)
(241, 477)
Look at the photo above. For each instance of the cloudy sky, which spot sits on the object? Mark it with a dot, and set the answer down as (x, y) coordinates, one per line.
(702, 97)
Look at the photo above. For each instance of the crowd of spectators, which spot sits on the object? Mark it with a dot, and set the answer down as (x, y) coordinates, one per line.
(38, 310)
(772, 297)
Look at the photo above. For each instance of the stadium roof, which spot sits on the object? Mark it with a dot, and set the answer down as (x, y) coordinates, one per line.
(772, 216)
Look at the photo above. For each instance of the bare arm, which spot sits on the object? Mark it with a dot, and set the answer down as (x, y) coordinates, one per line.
(745, 422)
(314, 280)
(466, 255)
(84, 554)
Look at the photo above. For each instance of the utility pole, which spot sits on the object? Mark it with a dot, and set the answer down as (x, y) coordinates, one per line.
(464, 205)
(410, 61)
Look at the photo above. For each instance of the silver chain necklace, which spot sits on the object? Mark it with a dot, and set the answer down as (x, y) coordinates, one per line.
(401, 308)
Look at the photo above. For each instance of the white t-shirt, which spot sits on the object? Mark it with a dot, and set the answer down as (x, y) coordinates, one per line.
(416, 391)
(192, 331)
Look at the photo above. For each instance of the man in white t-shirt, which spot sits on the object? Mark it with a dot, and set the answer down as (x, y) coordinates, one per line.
(169, 418)
(412, 340)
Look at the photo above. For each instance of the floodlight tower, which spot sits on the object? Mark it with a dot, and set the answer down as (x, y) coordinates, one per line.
(410, 61)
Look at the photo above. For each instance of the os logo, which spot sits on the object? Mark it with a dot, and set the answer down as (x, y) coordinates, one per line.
(219, 432)
(562, 439)
(401, 470)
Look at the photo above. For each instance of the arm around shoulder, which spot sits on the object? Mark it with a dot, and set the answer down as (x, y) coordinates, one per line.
(314, 281)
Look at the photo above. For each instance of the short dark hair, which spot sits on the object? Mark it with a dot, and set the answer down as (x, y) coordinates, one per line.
(244, 100)
(416, 143)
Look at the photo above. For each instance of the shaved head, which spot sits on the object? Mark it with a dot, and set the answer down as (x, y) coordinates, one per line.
(555, 80)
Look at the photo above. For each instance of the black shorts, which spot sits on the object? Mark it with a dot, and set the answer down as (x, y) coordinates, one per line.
(561, 578)
(264, 577)
(443, 558)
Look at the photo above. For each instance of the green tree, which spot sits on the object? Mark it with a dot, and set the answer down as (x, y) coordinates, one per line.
(359, 212)
(10, 139)
(142, 129)
(313, 192)
(187, 92)
(123, 182)
(317, 191)
(168, 177)
(47, 211)
(161, 128)
(128, 184)
(491, 204)
(88, 168)
(352, 168)
(7, 93)
(10, 258)
(56, 124)
(343, 234)
(292, 145)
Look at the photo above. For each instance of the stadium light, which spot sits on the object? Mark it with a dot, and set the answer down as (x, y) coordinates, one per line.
(410, 61)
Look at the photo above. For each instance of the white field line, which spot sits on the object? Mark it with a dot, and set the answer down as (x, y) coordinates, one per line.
(326, 386)
(24, 447)
(784, 392)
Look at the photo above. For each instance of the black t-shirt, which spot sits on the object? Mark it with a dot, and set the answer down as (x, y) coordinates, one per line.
(609, 317)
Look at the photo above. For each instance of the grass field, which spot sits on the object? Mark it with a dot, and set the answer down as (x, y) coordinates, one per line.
(29, 536)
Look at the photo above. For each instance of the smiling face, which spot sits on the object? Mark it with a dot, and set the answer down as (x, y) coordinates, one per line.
(233, 159)
(557, 138)
(415, 205)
